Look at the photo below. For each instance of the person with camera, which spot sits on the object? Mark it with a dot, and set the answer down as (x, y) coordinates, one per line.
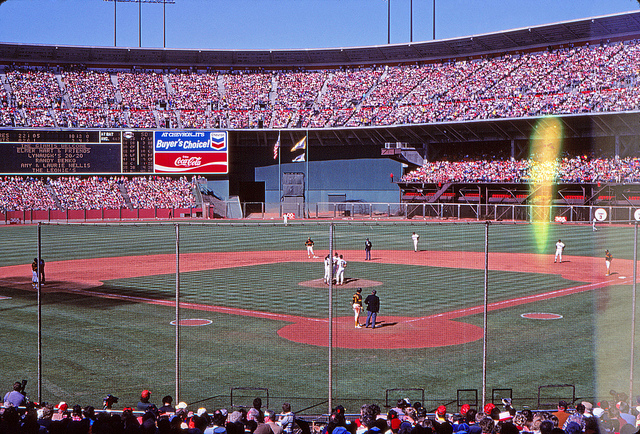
(16, 398)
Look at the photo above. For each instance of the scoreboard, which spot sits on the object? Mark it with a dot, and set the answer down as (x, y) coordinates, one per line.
(59, 152)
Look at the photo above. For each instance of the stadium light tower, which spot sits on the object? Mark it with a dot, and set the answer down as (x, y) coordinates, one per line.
(434, 20)
(388, 21)
(164, 32)
(411, 21)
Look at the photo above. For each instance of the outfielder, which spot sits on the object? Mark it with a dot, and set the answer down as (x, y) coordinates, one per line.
(415, 237)
(559, 250)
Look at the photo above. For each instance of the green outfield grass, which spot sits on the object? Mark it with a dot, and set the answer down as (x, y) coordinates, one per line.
(94, 346)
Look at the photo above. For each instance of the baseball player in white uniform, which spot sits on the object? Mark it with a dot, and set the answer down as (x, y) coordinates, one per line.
(415, 237)
(327, 269)
(340, 275)
(559, 249)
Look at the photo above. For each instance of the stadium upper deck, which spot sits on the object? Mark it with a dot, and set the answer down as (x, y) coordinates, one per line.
(430, 92)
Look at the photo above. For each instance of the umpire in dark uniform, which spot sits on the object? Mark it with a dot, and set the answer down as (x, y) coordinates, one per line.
(373, 307)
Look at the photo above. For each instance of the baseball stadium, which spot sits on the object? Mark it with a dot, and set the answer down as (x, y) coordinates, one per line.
(169, 216)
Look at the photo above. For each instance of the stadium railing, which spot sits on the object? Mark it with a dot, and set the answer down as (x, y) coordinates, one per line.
(341, 211)
(102, 214)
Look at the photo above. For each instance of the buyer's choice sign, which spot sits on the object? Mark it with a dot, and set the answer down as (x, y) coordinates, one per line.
(191, 152)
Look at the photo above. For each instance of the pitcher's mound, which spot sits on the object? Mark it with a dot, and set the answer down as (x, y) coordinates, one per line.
(349, 283)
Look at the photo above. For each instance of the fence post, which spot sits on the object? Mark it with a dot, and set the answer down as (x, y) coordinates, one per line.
(633, 306)
(486, 304)
(39, 317)
(177, 353)
(330, 394)
(610, 207)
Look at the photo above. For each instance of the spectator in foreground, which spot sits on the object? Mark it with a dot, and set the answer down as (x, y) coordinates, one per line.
(144, 403)
(15, 398)
(167, 406)
(287, 418)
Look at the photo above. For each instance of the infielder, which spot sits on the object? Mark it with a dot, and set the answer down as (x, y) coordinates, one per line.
(415, 237)
(309, 244)
(340, 275)
(608, 257)
(327, 269)
(559, 249)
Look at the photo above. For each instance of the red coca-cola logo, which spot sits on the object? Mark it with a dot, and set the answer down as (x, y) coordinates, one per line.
(188, 161)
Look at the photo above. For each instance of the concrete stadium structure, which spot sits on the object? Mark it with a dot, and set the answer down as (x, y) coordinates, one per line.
(355, 163)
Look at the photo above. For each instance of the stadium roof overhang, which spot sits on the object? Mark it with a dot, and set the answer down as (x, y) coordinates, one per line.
(592, 30)
(581, 126)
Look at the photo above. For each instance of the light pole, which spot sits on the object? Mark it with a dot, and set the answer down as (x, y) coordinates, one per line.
(434, 19)
(411, 21)
(388, 21)
(164, 2)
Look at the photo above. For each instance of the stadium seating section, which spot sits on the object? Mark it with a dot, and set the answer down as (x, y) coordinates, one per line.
(566, 80)
(72, 193)
(580, 169)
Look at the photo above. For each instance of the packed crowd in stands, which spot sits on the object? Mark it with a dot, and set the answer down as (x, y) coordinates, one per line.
(18, 193)
(296, 95)
(565, 80)
(87, 193)
(159, 192)
(20, 416)
(581, 169)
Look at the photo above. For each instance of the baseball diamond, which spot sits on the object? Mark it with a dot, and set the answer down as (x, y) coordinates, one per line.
(252, 290)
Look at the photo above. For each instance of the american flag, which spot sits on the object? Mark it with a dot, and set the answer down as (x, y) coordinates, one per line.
(276, 148)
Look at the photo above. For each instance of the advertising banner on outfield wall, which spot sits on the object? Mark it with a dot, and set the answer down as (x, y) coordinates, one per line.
(190, 152)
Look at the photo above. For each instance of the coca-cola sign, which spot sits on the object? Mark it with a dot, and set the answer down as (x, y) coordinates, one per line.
(186, 161)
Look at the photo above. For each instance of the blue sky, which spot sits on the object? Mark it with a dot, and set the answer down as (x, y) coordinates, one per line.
(277, 24)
